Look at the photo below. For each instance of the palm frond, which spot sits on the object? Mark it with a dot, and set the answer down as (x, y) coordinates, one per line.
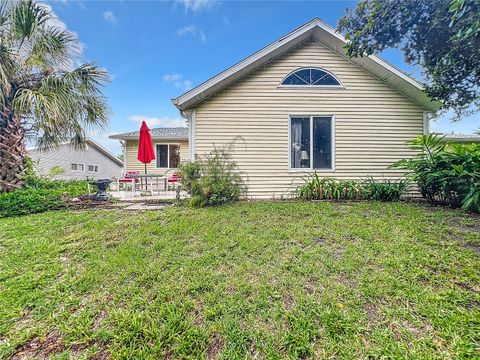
(27, 16)
(53, 48)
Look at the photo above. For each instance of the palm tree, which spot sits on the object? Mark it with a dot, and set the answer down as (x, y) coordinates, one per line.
(44, 98)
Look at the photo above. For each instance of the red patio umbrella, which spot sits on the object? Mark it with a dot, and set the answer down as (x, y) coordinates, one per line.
(145, 146)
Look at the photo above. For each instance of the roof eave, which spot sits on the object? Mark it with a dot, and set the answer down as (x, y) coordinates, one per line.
(104, 151)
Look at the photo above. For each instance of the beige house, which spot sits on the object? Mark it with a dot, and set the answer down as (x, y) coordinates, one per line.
(301, 105)
(170, 144)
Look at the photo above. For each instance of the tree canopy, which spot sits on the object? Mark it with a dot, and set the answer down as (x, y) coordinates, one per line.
(443, 37)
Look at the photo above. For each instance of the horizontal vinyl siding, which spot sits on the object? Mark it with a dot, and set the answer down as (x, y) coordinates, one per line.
(64, 155)
(372, 121)
(132, 164)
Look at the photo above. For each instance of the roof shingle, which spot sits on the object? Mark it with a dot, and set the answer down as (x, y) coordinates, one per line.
(157, 133)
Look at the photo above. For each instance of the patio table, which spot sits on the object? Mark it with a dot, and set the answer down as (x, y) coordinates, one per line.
(156, 179)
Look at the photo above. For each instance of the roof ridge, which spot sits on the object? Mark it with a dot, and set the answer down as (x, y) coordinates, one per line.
(166, 132)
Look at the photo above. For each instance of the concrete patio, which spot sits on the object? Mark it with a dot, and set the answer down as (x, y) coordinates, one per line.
(128, 195)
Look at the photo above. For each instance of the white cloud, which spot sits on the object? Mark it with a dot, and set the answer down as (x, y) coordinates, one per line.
(192, 30)
(196, 5)
(185, 85)
(110, 17)
(172, 77)
(158, 121)
(178, 81)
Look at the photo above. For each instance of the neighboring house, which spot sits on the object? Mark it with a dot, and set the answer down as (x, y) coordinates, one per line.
(171, 148)
(94, 162)
(461, 138)
(301, 105)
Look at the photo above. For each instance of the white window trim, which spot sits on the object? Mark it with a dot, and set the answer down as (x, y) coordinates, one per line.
(332, 140)
(98, 167)
(168, 154)
(341, 86)
(77, 167)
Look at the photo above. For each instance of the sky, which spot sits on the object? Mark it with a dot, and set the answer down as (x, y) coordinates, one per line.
(156, 50)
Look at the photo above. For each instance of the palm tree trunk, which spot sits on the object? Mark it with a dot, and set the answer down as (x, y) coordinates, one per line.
(12, 153)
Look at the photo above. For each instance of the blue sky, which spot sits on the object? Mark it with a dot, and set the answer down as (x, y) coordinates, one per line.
(156, 50)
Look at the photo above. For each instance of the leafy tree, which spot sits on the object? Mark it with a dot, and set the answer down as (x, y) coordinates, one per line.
(443, 37)
(42, 95)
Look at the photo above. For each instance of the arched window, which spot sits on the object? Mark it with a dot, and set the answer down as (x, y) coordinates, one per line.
(310, 77)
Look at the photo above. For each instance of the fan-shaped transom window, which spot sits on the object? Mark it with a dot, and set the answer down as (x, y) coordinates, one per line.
(310, 77)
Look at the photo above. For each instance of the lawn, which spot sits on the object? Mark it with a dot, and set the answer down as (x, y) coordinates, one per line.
(252, 280)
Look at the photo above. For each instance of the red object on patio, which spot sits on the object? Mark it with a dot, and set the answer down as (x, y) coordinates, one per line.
(174, 178)
(146, 153)
(128, 178)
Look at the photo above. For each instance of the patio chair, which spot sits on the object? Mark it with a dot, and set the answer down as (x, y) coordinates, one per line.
(127, 179)
(173, 181)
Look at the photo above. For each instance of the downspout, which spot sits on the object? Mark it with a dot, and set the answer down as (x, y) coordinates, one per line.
(426, 122)
(189, 115)
(124, 148)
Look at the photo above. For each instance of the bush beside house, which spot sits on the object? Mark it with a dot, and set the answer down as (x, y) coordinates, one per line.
(318, 188)
(214, 179)
(446, 173)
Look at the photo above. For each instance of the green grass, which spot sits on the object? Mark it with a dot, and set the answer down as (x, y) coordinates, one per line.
(251, 280)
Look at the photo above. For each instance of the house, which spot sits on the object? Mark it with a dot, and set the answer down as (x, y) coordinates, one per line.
(300, 105)
(94, 162)
(170, 144)
(461, 138)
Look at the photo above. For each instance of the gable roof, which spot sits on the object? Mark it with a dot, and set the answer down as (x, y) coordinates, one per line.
(104, 151)
(156, 133)
(325, 34)
(90, 142)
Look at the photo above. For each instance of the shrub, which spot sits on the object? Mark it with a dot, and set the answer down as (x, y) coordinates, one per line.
(29, 201)
(214, 179)
(384, 191)
(318, 188)
(70, 188)
(40, 194)
(446, 173)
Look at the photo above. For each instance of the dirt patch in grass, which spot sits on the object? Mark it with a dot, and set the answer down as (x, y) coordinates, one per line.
(337, 251)
(288, 301)
(319, 240)
(40, 348)
(99, 319)
(469, 222)
(312, 285)
(373, 313)
(101, 355)
(346, 281)
(25, 319)
(473, 247)
(215, 347)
